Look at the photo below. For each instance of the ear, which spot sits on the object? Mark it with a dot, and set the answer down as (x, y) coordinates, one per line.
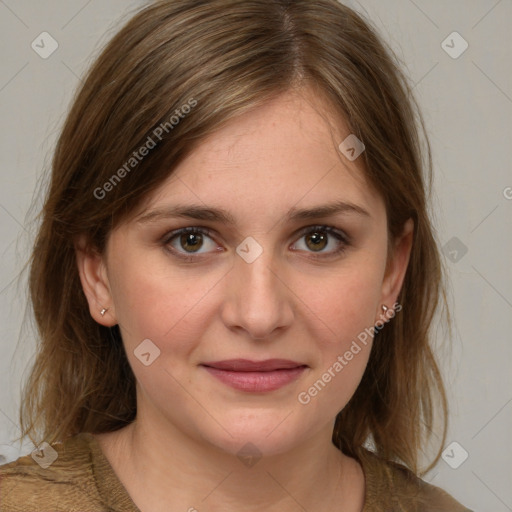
(396, 267)
(94, 279)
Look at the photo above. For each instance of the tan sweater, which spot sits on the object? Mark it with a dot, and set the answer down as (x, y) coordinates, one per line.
(82, 480)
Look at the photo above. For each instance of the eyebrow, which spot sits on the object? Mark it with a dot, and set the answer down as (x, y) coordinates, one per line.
(199, 212)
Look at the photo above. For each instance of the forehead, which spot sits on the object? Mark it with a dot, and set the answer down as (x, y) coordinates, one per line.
(279, 155)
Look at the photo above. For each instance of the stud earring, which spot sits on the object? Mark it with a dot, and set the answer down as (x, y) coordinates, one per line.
(384, 307)
(103, 311)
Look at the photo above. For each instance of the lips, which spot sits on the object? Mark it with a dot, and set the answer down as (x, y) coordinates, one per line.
(246, 365)
(255, 376)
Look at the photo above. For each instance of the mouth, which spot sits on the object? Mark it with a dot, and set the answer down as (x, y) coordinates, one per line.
(246, 365)
(255, 376)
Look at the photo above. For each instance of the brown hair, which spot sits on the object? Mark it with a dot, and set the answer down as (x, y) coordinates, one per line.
(174, 53)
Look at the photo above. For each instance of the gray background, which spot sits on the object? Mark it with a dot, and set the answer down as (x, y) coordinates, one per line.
(467, 103)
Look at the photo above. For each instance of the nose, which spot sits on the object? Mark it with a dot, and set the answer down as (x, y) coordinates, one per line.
(258, 298)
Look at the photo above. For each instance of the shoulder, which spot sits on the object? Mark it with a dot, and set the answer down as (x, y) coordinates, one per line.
(397, 488)
(59, 475)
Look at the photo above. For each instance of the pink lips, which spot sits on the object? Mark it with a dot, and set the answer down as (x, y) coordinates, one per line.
(255, 376)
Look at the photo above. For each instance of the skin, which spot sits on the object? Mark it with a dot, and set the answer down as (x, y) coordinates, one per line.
(296, 301)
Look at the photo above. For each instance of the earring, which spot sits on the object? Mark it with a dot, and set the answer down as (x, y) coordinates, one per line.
(384, 307)
(103, 311)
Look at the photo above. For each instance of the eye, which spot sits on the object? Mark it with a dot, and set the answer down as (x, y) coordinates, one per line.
(189, 240)
(317, 238)
(185, 243)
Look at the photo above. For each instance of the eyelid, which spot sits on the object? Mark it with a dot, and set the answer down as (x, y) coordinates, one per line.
(302, 231)
(328, 229)
(341, 235)
(166, 239)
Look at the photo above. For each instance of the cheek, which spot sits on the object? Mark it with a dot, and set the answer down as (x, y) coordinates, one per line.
(347, 308)
(345, 303)
(153, 302)
(343, 314)
(173, 312)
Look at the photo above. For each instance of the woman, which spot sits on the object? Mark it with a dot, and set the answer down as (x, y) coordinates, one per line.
(235, 274)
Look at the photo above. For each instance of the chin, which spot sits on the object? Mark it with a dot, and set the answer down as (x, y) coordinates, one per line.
(264, 435)
(256, 446)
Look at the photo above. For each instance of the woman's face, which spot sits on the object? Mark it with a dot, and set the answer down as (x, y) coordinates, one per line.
(271, 283)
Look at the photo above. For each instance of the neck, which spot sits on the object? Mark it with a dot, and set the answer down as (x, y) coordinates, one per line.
(164, 469)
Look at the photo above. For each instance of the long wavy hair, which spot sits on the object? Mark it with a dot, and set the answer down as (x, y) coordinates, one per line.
(230, 57)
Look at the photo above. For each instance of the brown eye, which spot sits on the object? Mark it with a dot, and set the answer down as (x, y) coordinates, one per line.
(194, 241)
(316, 241)
(318, 238)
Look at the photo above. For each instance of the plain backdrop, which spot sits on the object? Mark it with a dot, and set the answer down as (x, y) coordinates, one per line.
(463, 82)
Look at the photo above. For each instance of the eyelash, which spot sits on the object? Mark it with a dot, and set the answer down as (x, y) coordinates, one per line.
(339, 235)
